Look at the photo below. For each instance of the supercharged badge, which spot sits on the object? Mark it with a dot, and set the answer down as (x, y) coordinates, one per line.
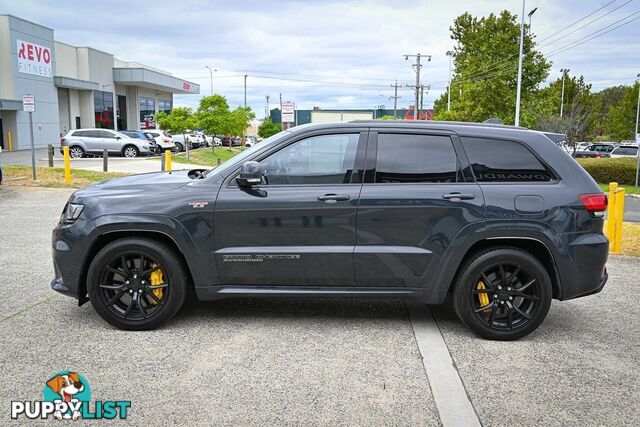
(198, 204)
(258, 258)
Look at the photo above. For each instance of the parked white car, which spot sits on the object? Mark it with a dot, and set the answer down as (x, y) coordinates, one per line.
(625, 151)
(193, 139)
(162, 138)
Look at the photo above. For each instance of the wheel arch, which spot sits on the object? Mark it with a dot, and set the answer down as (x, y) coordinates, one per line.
(104, 239)
(531, 245)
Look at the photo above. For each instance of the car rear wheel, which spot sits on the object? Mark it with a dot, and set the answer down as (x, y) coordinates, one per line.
(136, 284)
(130, 151)
(179, 147)
(76, 152)
(502, 293)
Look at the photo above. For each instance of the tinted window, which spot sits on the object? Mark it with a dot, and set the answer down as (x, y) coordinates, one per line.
(326, 159)
(495, 160)
(415, 158)
(82, 133)
(628, 151)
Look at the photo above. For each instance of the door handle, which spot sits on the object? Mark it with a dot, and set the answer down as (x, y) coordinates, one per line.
(458, 196)
(332, 198)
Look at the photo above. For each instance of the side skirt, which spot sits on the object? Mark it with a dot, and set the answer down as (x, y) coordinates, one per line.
(207, 293)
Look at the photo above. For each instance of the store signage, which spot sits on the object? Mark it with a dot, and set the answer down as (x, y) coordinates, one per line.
(29, 103)
(186, 86)
(288, 112)
(34, 59)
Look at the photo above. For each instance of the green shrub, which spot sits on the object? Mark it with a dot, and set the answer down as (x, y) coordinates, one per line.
(605, 170)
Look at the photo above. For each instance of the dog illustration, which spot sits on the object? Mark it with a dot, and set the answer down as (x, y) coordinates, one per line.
(66, 386)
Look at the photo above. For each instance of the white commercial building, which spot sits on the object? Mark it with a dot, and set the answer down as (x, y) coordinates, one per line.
(74, 87)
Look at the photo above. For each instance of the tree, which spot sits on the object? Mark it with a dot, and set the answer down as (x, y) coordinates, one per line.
(484, 81)
(178, 121)
(267, 128)
(213, 114)
(387, 117)
(621, 120)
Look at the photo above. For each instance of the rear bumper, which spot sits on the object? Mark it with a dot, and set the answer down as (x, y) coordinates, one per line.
(584, 272)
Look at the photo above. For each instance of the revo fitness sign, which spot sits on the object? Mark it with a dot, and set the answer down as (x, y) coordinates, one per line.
(34, 59)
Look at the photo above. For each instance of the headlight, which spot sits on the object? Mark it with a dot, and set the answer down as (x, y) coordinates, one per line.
(72, 212)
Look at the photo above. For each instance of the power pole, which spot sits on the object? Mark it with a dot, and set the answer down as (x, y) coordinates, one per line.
(267, 112)
(281, 122)
(564, 72)
(395, 98)
(519, 87)
(417, 66)
(450, 55)
(245, 91)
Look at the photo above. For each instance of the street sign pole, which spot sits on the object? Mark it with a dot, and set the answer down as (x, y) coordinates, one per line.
(33, 148)
(29, 106)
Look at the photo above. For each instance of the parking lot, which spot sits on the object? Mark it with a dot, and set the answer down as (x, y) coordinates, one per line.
(311, 361)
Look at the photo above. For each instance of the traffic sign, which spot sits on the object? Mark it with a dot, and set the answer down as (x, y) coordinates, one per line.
(29, 103)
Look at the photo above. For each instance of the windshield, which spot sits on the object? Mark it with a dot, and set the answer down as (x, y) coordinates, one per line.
(249, 152)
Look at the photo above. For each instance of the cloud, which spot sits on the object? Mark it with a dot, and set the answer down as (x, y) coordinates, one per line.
(355, 47)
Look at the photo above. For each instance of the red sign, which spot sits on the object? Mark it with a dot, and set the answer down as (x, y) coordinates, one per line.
(34, 59)
(186, 86)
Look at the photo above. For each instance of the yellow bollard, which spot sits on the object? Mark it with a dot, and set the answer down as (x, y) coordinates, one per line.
(67, 165)
(167, 154)
(10, 141)
(619, 215)
(611, 222)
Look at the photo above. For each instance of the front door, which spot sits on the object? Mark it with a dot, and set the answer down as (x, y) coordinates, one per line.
(298, 226)
(414, 202)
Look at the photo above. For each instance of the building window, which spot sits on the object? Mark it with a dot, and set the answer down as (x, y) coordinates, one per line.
(164, 105)
(147, 113)
(103, 109)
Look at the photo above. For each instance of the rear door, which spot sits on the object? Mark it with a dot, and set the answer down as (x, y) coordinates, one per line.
(418, 195)
(298, 226)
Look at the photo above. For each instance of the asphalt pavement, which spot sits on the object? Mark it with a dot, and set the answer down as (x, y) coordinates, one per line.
(308, 361)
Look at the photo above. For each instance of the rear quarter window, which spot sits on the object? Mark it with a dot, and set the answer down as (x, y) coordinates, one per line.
(495, 160)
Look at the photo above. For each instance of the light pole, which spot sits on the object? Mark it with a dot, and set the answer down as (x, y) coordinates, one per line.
(564, 72)
(637, 141)
(450, 55)
(519, 88)
(211, 70)
(530, 15)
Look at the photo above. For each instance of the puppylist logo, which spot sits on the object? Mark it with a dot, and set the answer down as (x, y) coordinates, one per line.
(67, 397)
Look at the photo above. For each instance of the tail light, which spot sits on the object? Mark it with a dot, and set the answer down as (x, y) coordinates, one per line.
(598, 155)
(594, 202)
(62, 141)
(166, 140)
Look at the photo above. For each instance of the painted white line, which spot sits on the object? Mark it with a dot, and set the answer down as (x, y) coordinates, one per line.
(451, 399)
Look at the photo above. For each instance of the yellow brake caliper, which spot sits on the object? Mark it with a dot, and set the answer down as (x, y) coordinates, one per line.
(483, 297)
(156, 279)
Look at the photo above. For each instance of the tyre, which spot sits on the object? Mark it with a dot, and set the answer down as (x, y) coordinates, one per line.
(502, 293)
(136, 283)
(76, 152)
(179, 147)
(130, 151)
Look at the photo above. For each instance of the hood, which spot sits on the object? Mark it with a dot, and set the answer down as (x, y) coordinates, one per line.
(153, 181)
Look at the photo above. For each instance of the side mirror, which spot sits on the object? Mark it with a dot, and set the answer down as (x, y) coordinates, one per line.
(117, 137)
(250, 174)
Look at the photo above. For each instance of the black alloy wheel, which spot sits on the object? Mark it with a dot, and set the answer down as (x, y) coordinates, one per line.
(502, 293)
(136, 283)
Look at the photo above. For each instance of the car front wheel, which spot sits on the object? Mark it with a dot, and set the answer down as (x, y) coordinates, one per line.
(130, 151)
(136, 283)
(502, 293)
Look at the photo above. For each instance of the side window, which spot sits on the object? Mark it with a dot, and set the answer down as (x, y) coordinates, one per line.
(325, 159)
(105, 134)
(83, 133)
(415, 158)
(496, 160)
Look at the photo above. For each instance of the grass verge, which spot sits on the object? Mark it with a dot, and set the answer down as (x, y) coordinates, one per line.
(206, 157)
(628, 189)
(52, 177)
(630, 239)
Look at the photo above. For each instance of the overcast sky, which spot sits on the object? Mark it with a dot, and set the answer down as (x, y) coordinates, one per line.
(336, 54)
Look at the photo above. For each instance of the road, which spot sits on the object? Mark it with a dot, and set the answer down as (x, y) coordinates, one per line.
(310, 361)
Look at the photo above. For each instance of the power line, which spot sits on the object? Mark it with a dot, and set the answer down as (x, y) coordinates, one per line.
(577, 22)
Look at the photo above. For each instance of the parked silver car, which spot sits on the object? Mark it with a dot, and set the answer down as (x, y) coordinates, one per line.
(93, 141)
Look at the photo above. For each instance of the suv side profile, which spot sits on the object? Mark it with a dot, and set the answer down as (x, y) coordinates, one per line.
(93, 141)
(497, 218)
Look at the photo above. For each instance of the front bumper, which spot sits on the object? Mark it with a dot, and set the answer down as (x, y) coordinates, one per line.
(68, 255)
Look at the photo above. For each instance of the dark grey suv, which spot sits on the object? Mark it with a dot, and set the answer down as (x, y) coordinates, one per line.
(498, 218)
